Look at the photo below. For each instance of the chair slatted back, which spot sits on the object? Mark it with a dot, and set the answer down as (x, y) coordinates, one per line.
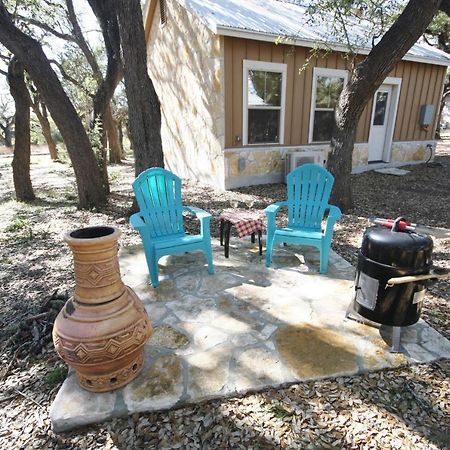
(158, 193)
(309, 187)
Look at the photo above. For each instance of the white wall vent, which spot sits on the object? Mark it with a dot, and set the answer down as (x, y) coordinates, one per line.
(297, 158)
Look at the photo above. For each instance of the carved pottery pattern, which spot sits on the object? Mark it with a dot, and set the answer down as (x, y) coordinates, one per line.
(112, 380)
(103, 350)
(98, 274)
(101, 332)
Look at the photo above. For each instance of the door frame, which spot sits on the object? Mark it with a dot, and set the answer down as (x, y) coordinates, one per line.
(395, 84)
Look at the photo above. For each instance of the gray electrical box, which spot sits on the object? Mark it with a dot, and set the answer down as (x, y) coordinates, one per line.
(426, 115)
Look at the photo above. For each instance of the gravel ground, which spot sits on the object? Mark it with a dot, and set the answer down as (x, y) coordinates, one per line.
(404, 408)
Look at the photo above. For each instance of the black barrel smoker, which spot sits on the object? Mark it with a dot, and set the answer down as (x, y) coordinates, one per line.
(390, 279)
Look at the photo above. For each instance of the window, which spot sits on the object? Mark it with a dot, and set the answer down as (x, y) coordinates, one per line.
(264, 98)
(380, 108)
(327, 86)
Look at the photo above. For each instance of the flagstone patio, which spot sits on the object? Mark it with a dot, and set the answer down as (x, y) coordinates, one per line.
(243, 329)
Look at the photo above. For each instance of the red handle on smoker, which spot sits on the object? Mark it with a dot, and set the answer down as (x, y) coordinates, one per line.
(399, 224)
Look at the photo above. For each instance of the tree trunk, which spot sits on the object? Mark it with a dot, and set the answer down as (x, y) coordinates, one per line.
(115, 151)
(7, 132)
(366, 78)
(41, 113)
(107, 19)
(143, 103)
(47, 131)
(9, 135)
(120, 131)
(22, 153)
(128, 131)
(445, 92)
(91, 192)
(97, 124)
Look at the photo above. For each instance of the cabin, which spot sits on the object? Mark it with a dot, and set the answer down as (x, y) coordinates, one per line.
(244, 100)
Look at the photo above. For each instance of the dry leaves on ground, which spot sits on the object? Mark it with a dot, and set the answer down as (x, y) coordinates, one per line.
(404, 408)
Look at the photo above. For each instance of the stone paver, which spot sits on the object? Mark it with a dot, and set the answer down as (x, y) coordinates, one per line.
(245, 328)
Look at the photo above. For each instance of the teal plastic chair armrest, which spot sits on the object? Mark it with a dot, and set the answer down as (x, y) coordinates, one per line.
(335, 212)
(198, 212)
(274, 207)
(203, 216)
(137, 222)
(333, 216)
(158, 194)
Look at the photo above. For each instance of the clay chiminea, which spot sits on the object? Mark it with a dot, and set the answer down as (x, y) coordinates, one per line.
(102, 330)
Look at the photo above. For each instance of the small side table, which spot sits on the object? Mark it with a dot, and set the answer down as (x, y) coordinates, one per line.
(246, 222)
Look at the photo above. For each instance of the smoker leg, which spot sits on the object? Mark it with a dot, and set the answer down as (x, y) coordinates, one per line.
(396, 336)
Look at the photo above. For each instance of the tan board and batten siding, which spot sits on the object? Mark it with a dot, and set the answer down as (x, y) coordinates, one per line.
(421, 84)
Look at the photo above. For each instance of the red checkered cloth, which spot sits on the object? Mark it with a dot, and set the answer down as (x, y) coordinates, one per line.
(245, 221)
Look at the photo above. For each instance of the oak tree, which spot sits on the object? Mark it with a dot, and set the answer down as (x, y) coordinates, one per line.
(144, 107)
(91, 191)
(22, 153)
(366, 77)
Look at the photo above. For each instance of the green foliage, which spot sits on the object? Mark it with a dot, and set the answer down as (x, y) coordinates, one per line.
(95, 136)
(438, 33)
(17, 225)
(339, 16)
(36, 18)
(5, 260)
(36, 136)
(57, 375)
(76, 67)
(115, 176)
(49, 13)
(56, 135)
(20, 229)
(280, 412)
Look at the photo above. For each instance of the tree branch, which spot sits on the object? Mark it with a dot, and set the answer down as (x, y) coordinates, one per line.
(48, 28)
(426, 39)
(107, 18)
(82, 43)
(69, 78)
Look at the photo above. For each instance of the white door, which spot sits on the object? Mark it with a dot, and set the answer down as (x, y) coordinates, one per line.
(380, 123)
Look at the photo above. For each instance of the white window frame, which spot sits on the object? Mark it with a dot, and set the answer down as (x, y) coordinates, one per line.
(266, 67)
(321, 72)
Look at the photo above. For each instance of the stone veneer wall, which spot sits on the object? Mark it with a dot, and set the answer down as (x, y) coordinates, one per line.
(185, 63)
(402, 153)
(412, 151)
(248, 166)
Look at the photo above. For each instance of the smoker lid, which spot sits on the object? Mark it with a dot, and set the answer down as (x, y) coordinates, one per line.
(397, 249)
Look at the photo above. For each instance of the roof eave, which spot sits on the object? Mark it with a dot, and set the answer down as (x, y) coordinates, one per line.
(268, 37)
(148, 11)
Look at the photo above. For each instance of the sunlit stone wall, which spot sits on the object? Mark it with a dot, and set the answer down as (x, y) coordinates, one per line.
(412, 151)
(185, 62)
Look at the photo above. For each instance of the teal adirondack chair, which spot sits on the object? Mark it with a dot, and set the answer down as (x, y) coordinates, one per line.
(160, 220)
(309, 187)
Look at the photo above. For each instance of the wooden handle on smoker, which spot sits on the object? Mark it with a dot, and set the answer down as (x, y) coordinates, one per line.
(411, 278)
